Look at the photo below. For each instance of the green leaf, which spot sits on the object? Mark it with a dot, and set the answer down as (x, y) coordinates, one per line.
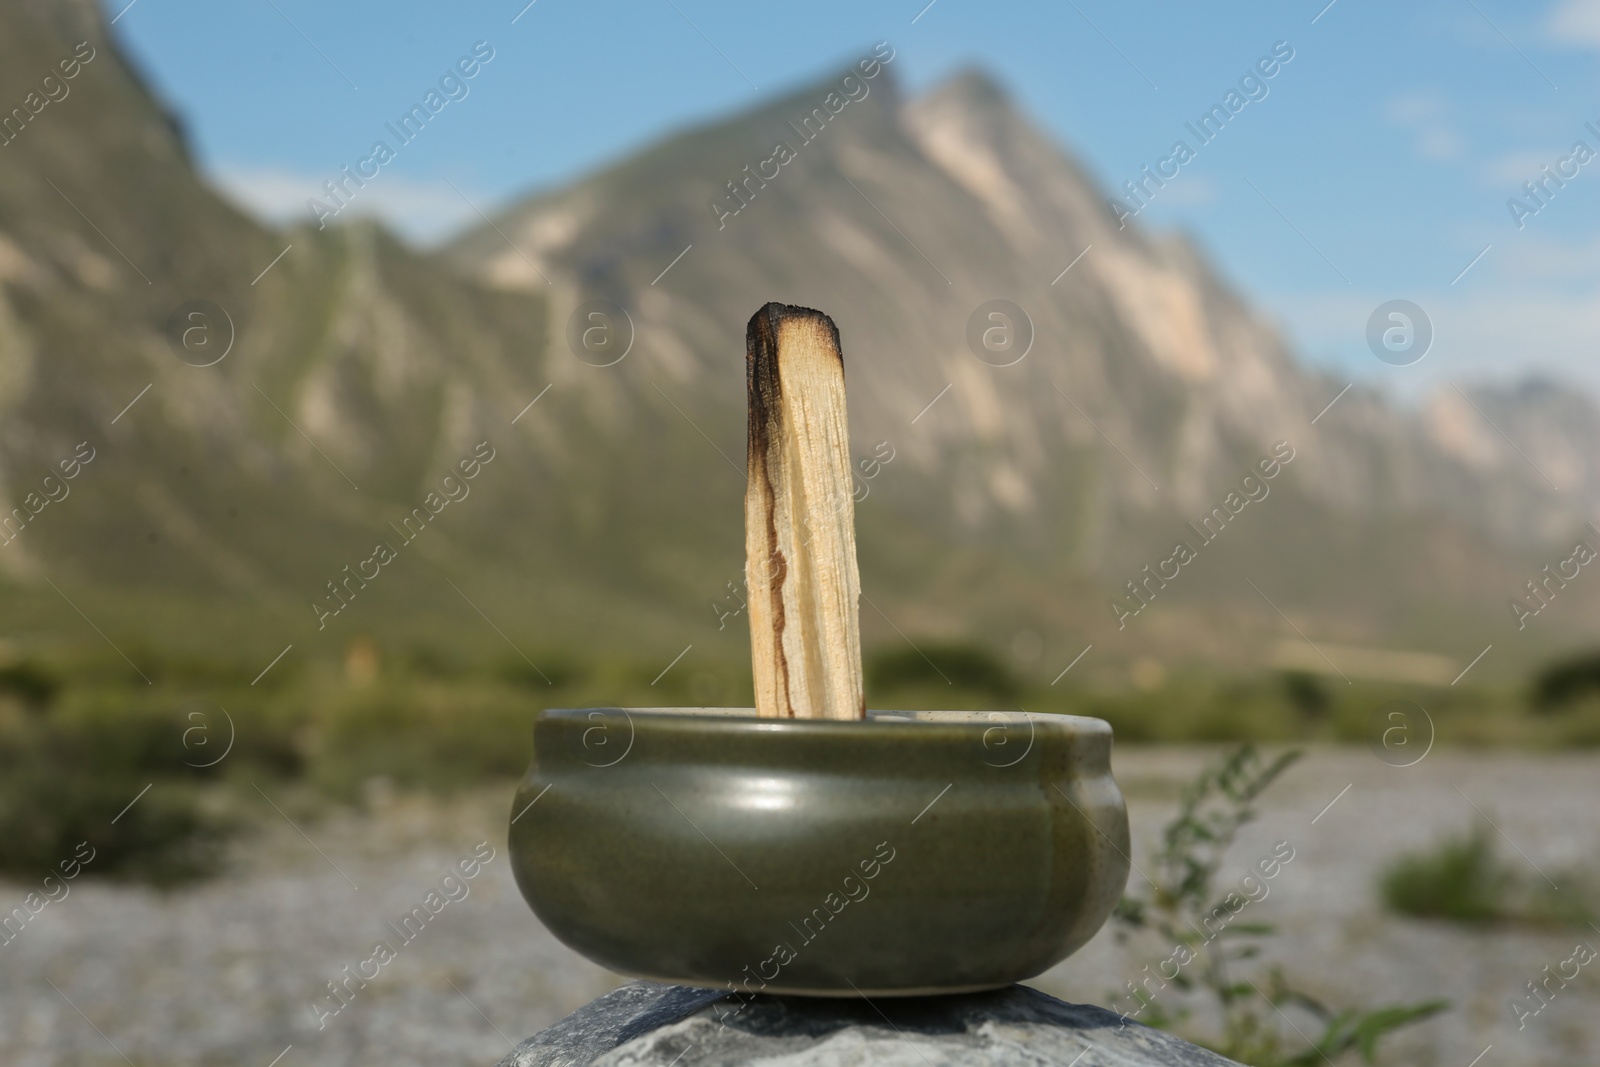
(1374, 1024)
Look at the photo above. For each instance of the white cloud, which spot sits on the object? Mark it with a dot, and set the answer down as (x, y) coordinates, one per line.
(1440, 144)
(1408, 109)
(1514, 168)
(1194, 191)
(1575, 23)
(1504, 328)
(422, 212)
(1537, 258)
(1512, 332)
(1426, 115)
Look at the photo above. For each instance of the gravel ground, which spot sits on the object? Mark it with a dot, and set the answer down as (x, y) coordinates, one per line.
(225, 973)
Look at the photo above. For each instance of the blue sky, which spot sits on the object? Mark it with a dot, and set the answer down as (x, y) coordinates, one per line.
(1378, 165)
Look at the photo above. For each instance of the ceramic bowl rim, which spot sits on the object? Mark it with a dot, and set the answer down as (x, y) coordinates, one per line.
(744, 718)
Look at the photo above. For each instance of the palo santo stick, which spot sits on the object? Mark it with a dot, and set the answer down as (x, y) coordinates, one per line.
(799, 520)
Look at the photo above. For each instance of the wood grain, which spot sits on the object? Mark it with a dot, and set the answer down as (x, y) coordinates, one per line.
(799, 515)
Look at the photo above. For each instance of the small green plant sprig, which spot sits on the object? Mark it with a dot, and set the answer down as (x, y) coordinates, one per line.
(1178, 900)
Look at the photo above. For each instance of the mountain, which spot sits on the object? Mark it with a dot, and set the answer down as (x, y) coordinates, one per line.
(221, 500)
(232, 509)
(1150, 390)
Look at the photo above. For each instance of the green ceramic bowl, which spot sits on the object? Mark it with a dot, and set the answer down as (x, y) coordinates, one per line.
(912, 853)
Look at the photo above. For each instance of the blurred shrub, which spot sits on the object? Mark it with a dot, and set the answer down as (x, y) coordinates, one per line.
(1306, 693)
(551, 673)
(1196, 709)
(421, 735)
(1463, 879)
(108, 732)
(429, 662)
(1563, 682)
(31, 681)
(1459, 879)
(165, 838)
(66, 776)
(1578, 726)
(971, 671)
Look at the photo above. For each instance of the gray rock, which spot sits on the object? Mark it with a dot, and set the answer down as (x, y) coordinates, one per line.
(650, 1025)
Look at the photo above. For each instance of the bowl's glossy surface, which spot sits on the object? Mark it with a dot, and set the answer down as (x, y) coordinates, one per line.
(910, 853)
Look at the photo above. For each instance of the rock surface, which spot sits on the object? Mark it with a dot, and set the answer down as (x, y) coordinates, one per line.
(650, 1025)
